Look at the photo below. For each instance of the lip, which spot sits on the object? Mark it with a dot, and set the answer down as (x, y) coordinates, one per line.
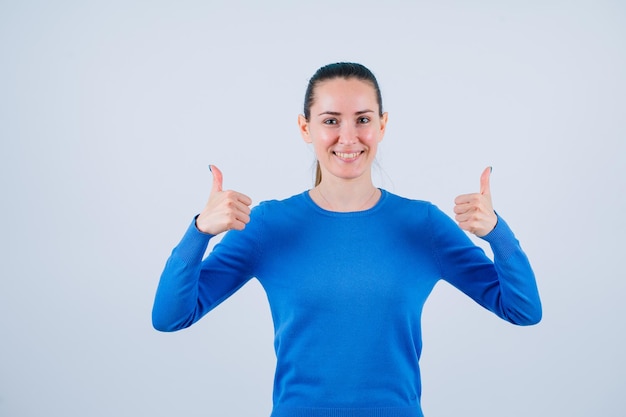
(348, 156)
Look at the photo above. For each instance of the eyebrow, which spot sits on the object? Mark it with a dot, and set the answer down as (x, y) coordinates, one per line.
(336, 113)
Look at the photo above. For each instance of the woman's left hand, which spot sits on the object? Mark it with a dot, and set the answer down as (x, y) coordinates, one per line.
(474, 212)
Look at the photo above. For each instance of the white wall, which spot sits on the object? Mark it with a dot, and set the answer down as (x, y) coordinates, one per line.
(111, 111)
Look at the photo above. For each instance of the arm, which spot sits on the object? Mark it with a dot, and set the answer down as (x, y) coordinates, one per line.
(507, 286)
(176, 304)
(189, 287)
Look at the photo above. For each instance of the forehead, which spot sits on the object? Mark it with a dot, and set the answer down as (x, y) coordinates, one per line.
(342, 92)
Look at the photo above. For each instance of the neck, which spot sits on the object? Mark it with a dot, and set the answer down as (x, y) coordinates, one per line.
(344, 196)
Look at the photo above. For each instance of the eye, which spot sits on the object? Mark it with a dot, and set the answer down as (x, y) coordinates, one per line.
(330, 121)
(363, 120)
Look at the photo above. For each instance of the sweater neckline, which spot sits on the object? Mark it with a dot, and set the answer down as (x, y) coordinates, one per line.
(309, 201)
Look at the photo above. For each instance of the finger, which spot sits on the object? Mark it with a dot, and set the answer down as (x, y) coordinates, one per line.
(467, 217)
(244, 218)
(217, 178)
(484, 181)
(244, 199)
(236, 197)
(462, 208)
(238, 225)
(242, 208)
(238, 220)
(466, 199)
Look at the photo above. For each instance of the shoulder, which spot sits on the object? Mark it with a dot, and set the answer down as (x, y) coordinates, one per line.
(281, 210)
(421, 214)
(279, 205)
(399, 203)
(411, 214)
(268, 219)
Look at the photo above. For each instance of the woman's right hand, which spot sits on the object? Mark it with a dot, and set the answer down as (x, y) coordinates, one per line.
(225, 210)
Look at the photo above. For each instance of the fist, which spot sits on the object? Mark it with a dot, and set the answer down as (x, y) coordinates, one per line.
(474, 212)
(225, 210)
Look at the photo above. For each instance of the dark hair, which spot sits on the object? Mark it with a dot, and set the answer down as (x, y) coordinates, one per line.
(338, 70)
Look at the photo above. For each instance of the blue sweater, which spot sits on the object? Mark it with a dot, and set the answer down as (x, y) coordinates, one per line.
(346, 292)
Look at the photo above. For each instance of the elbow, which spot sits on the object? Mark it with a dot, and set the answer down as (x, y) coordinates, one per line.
(165, 318)
(164, 324)
(532, 320)
(528, 317)
(536, 318)
(161, 325)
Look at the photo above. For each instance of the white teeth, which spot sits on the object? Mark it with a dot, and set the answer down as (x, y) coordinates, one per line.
(347, 155)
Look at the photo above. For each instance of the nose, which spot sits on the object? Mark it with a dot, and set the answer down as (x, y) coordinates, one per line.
(348, 134)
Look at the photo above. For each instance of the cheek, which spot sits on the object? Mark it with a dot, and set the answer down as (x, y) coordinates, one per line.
(320, 144)
(370, 136)
(323, 137)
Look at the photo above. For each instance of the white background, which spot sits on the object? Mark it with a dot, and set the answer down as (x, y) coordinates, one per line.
(111, 111)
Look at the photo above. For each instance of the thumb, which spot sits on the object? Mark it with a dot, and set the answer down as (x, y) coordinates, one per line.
(484, 181)
(217, 179)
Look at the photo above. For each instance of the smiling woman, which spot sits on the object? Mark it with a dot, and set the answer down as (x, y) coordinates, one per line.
(345, 125)
(347, 267)
(337, 72)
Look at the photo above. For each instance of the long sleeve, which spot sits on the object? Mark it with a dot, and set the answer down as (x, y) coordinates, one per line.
(505, 286)
(190, 287)
(346, 293)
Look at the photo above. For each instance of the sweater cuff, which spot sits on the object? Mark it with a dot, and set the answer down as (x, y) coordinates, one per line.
(502, 240)
(193, 244)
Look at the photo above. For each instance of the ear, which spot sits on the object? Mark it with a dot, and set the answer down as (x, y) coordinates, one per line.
(303, 125)
(383, 125)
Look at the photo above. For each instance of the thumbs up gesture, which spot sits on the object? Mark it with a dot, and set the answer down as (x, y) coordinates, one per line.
(225, 210)
(474, 212)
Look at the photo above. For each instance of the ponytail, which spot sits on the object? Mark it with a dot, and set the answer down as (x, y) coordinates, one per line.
(318, 174)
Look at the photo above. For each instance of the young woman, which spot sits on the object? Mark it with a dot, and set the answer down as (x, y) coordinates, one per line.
(346, 266)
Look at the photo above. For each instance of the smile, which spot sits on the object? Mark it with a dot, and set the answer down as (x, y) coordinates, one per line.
(348, 156)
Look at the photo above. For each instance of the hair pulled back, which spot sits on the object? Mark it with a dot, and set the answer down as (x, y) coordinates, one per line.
(345, 70)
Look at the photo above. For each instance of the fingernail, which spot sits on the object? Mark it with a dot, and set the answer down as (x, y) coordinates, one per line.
(490, 169)
(210, 168)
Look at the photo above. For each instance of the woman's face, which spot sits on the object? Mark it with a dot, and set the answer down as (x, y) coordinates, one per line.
(344, 127)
